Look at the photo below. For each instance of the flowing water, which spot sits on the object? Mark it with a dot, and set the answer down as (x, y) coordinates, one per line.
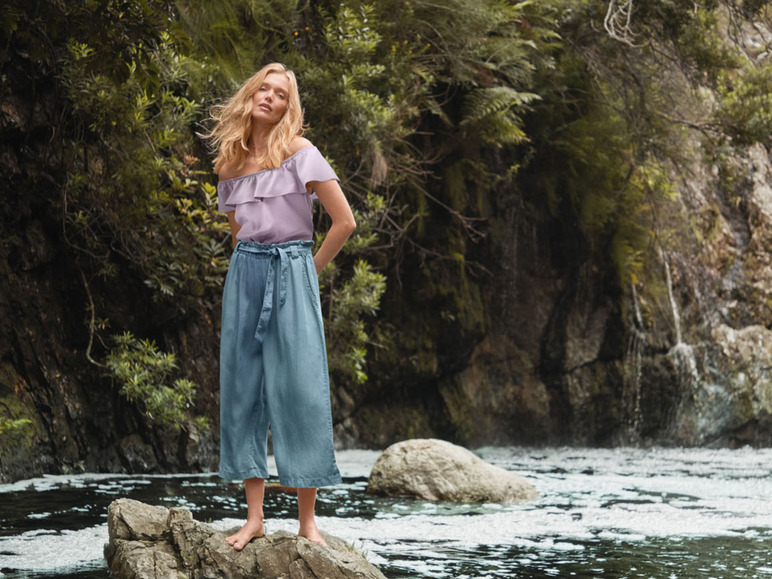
(669, 513)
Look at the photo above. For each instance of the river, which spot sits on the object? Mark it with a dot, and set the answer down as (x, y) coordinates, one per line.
(670, 513)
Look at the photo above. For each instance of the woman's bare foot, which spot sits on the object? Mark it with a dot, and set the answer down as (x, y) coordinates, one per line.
(311, 532)
(251, 530)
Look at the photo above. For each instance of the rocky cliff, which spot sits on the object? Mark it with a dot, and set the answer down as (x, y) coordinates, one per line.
(571, 358)
(635, 316)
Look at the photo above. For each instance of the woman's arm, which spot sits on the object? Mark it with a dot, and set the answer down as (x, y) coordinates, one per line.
(235, 227)
(343, 224)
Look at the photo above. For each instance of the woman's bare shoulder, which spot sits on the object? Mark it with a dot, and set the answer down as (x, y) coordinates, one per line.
(297, 144)
(228, 170)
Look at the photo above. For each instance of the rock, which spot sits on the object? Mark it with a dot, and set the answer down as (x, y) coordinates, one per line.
(137, 454)
(760, 195)
(436, 470)
(748, 352)
(149, 542)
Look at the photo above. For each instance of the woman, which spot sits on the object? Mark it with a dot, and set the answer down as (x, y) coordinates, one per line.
(273, 361)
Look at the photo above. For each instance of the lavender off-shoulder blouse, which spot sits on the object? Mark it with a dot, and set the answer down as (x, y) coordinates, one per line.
(272, 205)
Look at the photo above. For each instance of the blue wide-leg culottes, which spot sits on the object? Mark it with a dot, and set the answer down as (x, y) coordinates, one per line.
(273, 368)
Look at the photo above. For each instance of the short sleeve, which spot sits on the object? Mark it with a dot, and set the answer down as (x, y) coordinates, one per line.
(310, 165)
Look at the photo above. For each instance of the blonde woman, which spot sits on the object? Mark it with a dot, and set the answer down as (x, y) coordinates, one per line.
(273, 361)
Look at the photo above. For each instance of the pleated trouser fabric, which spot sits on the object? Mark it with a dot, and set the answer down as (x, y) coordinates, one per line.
(273, 368)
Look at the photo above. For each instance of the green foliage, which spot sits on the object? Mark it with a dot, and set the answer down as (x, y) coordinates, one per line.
(475, 42)
(752, 8)
(357, 299)
(231, 39)
(11, 425)
(633, 246)
(357, 106)
(702, 45)
(368, 216)
(492, 115)
(145, 377)
(16, 434)
(613, 124)
(132, 189)
(359, 296)
(745, 110)
(19, 422)
(483, 54)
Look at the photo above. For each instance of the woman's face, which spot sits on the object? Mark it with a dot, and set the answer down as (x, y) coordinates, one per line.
(271, 99)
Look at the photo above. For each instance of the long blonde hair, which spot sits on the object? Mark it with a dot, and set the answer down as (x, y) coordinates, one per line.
(233, 129)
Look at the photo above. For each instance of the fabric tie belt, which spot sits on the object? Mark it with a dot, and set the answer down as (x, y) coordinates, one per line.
(273, 252)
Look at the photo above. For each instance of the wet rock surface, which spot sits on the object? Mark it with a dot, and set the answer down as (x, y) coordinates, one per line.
(436, 470)
(151, 542)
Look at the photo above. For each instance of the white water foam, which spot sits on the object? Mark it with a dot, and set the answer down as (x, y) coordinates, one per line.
(46, 550)
(53, 482)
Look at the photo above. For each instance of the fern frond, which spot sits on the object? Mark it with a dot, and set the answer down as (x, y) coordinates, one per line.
(483, 102)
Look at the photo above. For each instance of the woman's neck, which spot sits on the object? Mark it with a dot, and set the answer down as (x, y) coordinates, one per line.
(259, 140)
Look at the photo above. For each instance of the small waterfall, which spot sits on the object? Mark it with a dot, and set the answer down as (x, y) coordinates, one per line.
(633, 387)
(684, 359)
(673, 305)
(682, 416)
(632, 380)
(686, 363)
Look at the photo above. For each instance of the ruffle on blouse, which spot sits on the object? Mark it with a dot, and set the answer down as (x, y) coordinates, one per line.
(289, 178)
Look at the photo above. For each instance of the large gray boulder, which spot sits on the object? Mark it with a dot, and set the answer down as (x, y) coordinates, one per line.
(436, 470)
(149, 542)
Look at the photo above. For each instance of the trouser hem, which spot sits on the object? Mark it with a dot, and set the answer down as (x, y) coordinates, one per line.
(233, 474)
(308, 483)
(302, 482)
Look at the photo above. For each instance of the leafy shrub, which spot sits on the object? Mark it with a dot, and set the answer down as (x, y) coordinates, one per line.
(145, 376)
